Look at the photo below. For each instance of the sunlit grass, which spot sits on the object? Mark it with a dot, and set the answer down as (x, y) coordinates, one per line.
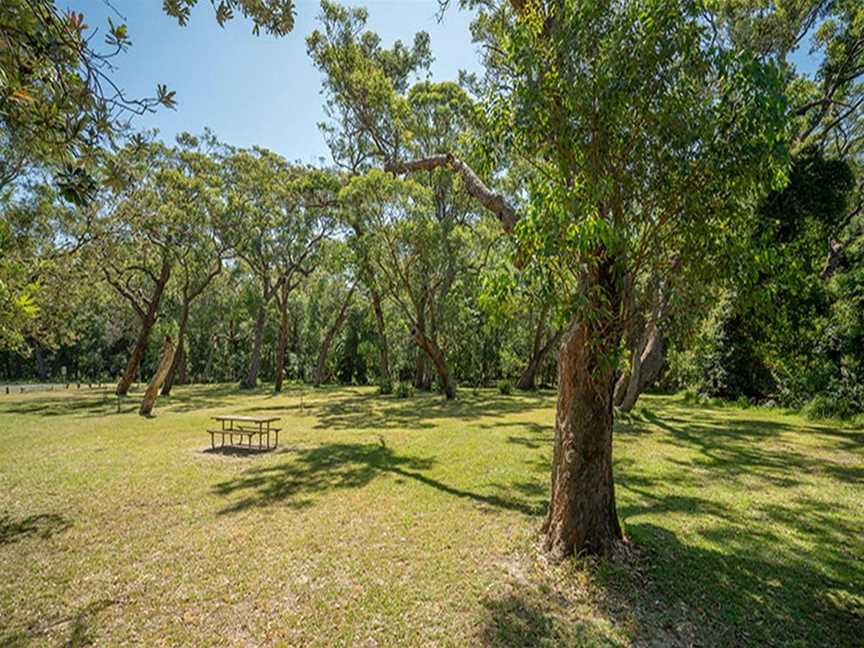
(386, 522)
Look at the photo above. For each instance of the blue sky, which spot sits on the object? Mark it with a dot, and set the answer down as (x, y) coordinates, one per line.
(256, 89)
(263, 90)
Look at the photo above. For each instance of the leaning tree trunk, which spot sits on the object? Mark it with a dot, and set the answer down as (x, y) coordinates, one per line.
(180, 355)
(158, 378)
(147, 323)
(251, 379)
(321, 365)
(281, 343)
(436, 355)
(647, 369)
(582, 515)
(538, 353)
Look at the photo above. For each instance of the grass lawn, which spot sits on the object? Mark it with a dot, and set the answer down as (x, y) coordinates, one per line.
(383, 522)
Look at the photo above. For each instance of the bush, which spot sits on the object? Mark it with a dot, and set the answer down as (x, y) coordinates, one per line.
(822, 406)
(742, 401)
(404, 390)
(385, 387)
(505, 387)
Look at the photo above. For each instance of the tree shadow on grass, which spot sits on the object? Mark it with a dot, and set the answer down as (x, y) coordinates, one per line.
(370, 411)
(529, 616)
(187, 398)
(79, 631)
(743, 597)
(43, 526)
(753, 447)
(336, 466)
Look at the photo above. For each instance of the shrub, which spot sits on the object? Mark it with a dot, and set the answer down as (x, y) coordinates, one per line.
(385, 387)
(742, 401)
(822, 406)
(505, 386)
(404, 390)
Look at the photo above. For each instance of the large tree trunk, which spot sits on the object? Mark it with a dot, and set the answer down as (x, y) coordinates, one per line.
(158, 378)
(582, 515)
(281, 343)
(324, 351)
(436, 355)
(251, 379)
(647, 367)
(180, 355)
(380, 324)
(147, 323)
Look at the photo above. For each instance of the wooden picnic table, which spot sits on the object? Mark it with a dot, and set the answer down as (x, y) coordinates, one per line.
(246, 426)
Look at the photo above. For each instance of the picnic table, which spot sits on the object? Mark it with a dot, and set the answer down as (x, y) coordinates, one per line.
(245, 426)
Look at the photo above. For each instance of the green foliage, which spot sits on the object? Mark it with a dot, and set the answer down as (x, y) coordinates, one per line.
(505, 387)
(403, 389)
(385, 387)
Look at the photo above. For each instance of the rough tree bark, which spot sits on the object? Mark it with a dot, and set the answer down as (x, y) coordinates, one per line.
(582, 514)
(324, 351)
(152, 392)
(148, 319)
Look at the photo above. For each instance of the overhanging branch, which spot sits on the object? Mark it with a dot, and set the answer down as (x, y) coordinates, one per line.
(473, 184)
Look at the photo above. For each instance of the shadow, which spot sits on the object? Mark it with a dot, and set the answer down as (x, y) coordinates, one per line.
(744, 597)
(527, 616)
(369, 411)
(43, 526)
(238, 451)
(186, 398)
(336, 466)
(79, 633)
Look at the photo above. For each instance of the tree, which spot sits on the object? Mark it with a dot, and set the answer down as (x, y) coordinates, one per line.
(647, 136)
(277, 216)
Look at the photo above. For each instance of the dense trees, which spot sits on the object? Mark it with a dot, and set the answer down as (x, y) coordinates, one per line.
(629, 188)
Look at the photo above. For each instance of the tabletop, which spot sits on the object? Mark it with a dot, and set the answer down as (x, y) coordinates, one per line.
(248, 419)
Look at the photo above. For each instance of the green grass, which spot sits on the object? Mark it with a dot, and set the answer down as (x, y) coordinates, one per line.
(386, 522)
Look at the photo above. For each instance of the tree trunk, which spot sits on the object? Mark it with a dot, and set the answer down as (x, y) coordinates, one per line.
(281, 343)
(321, 366)
(437, 357)
(582, 515)
(39, 357)
(147, 323)
(383, 349)
(158, 378)
(647, 369)
(251, 379)
(538, 353)
(180, 355)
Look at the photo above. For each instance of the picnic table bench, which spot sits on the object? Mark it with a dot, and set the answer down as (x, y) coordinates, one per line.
(245, 427)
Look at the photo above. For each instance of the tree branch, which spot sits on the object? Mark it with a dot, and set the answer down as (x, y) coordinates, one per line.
(473, 184)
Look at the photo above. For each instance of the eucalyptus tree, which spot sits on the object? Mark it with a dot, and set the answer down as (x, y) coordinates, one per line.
(200, 252)
(136, 238)
(375, 107)
(277, 215)
(647, 136)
